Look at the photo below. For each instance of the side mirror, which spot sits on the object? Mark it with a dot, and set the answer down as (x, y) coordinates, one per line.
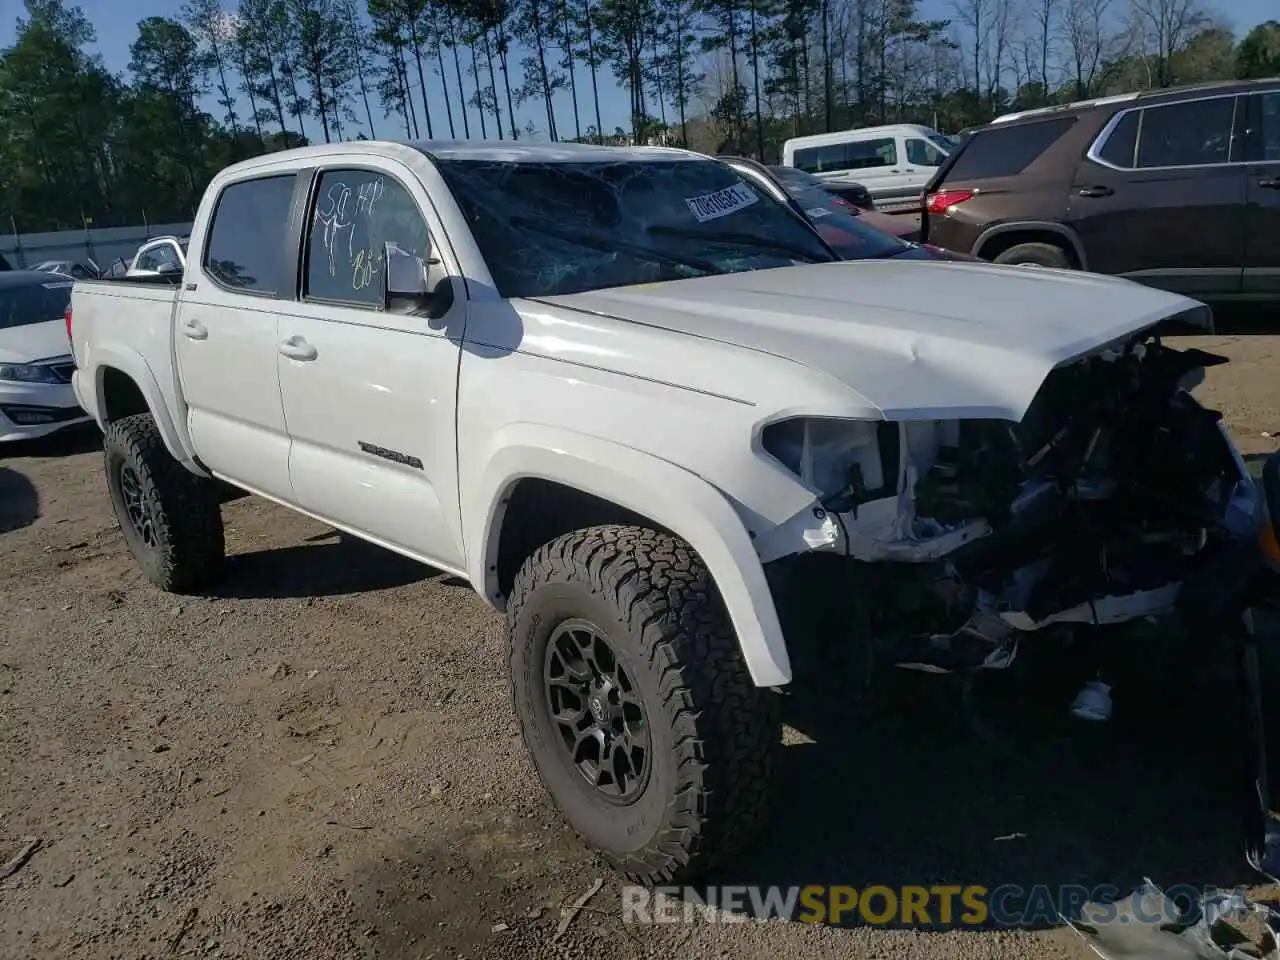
(410, 281)
(406, 274)
(168, 269)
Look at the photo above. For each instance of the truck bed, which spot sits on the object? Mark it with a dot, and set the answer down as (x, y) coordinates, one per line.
(126, 323)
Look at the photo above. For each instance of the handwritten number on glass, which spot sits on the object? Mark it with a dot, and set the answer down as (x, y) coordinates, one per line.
(336, 214)
(364, 267)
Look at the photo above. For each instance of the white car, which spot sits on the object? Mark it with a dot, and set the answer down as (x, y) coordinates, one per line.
(70, 268)
(159, 256)
(894, 162)
(649, 415)
(36, 397)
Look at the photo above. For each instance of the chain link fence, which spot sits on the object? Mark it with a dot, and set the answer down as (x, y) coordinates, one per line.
(101, 246)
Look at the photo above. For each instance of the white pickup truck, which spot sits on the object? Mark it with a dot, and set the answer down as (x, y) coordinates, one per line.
(649, 415)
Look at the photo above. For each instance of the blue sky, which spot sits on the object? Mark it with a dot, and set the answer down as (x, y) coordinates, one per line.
(116, 24)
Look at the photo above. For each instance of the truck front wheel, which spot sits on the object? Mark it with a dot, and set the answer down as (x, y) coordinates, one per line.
(169, 517)
(635, 703)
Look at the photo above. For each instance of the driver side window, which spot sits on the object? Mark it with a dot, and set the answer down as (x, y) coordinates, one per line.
(922, 153)
(355, 214)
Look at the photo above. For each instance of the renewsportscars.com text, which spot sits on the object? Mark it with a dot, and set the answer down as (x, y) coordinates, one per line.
(946, 905)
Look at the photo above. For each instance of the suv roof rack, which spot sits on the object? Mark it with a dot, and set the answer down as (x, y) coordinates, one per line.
(1059, 107)
(1162, 92)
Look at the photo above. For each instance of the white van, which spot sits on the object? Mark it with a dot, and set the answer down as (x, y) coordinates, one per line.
(894, 162)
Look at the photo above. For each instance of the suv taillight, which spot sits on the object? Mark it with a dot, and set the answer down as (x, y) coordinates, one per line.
(940, 203)
(66, 315)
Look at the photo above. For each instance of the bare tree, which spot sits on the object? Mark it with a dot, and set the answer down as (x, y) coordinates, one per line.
(1045, 16)
(1166, 26)
(975, 16)
(1003, 25)
(1088, 41)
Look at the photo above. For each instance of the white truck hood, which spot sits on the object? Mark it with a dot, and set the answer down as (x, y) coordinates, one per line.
(917, 339)
(34, 341)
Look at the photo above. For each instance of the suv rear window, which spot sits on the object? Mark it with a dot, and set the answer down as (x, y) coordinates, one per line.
(246, 238)
(1003, 151)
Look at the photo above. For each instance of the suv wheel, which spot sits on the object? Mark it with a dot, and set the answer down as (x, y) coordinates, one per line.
(1040, 254)
(635, 704)
(169, 517)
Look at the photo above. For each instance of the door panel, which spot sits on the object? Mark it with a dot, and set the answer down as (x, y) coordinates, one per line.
(1178, 227)
(225, 338)
(1262, 221)
(370, 395)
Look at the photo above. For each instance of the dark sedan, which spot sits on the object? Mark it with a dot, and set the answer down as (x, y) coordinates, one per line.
(854, 194)
(846, 232)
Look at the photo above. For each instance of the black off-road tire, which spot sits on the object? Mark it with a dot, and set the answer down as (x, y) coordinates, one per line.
(1041, 254)
(187, 549)
(714, 734)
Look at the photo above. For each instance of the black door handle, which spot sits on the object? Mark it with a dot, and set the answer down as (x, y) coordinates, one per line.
(1272, 184)
(1096, 191)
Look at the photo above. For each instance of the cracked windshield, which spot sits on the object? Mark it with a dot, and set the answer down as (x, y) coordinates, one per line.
(557, 228)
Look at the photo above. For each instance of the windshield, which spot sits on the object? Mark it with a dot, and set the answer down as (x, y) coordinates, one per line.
(557, 228)
(842, 230)
(948, 144)
(33, 303)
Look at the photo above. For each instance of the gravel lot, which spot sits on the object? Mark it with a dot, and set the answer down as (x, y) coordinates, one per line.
(319, 760)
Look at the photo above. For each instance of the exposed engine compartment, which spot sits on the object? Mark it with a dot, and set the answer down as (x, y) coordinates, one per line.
(1114, 488)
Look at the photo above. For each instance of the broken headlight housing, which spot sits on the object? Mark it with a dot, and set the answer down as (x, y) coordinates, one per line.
(845, 462)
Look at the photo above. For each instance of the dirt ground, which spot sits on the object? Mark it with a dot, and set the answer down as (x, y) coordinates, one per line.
(318, 760)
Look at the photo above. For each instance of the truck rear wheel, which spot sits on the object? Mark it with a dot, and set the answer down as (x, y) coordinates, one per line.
(169, 516)
(635, 703)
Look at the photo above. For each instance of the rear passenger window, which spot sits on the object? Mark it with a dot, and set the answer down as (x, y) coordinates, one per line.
(357, 214)
(1191, 134)
(247, 236)
(1119, 146)
(1003, 151)
(854, 155)
(1268, 105)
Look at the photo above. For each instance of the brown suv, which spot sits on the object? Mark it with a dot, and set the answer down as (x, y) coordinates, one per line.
(1178, 189)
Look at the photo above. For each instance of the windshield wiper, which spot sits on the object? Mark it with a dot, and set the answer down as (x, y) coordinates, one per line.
(614, 245)
(742, 239)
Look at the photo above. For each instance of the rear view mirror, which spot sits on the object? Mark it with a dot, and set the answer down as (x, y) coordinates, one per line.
(168, 268)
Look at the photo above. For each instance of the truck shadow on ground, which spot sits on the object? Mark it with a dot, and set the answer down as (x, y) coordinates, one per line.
(903, 791)
(19, 501)
(326, 565)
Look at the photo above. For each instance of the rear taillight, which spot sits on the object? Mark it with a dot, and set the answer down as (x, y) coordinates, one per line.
(941, 203)
(67, 317)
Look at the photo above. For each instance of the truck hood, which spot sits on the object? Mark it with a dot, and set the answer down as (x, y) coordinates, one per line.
(917, 340)
(34, 341)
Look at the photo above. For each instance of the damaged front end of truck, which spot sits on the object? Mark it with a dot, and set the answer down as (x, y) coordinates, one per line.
(945, 545)
(1117, 497)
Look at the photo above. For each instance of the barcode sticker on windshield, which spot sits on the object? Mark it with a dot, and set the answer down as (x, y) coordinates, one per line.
(817, 212)
(712, 206)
